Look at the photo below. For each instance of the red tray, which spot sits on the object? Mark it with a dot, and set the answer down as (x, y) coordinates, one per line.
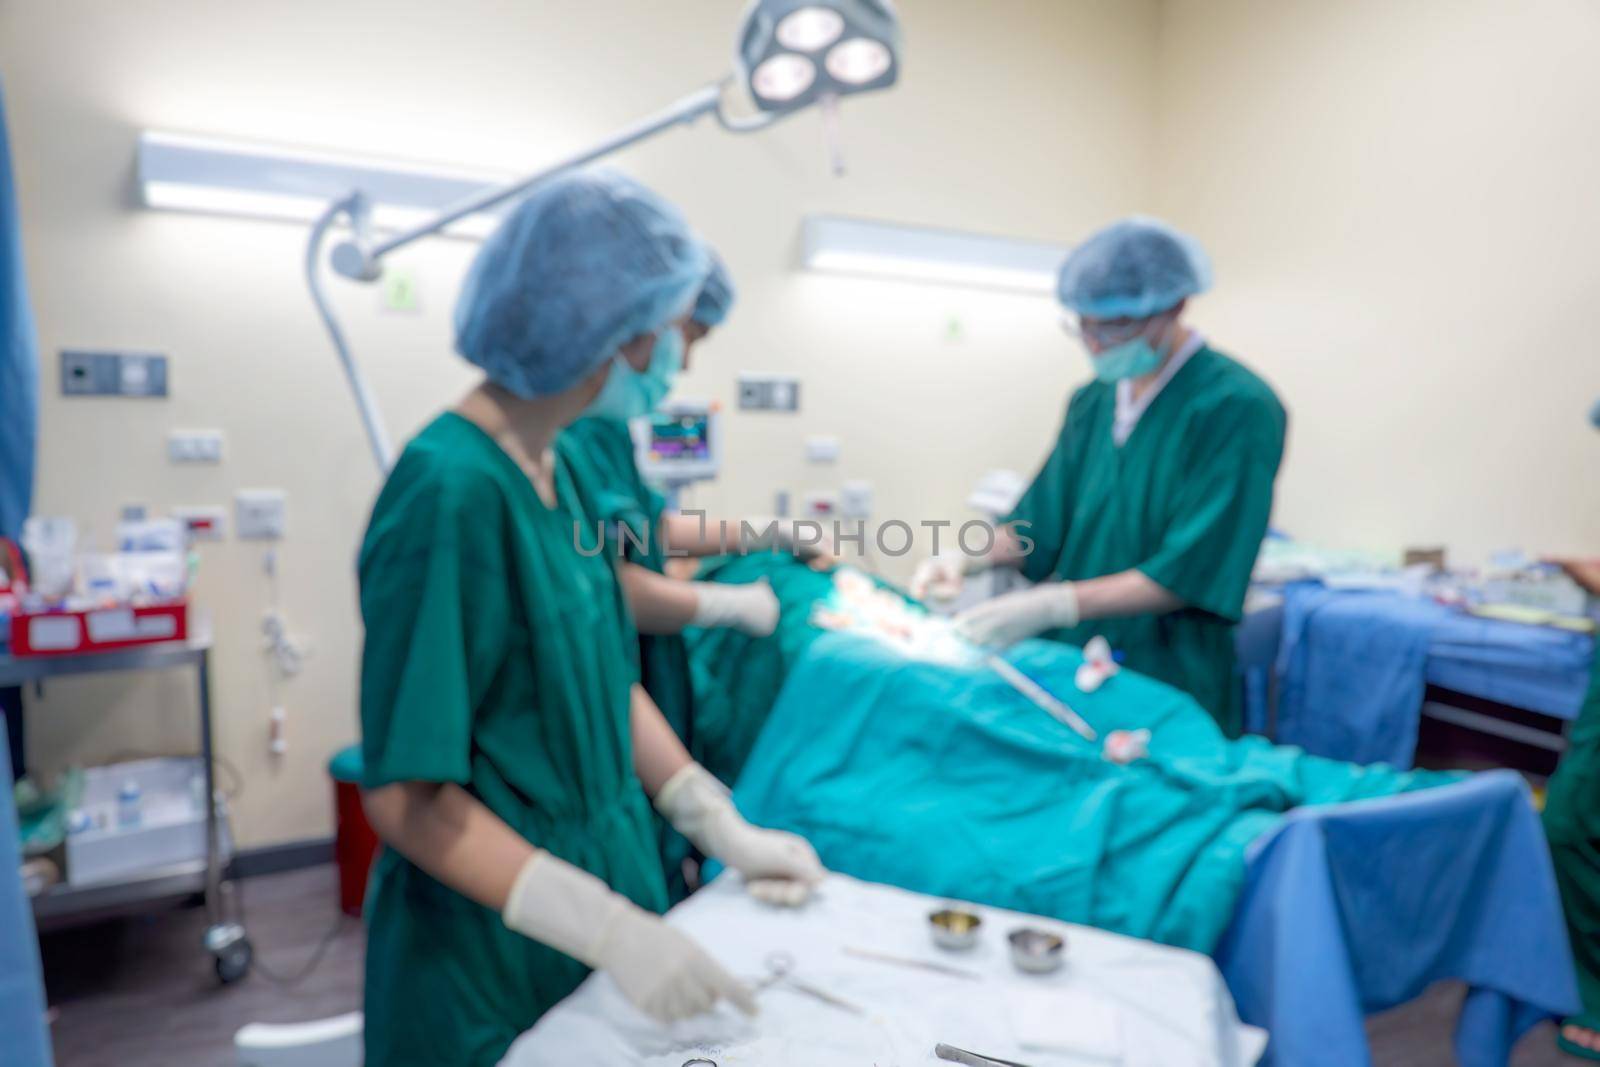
(68, 633)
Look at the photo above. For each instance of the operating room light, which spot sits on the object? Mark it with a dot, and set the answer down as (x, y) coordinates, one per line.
(858, 61)
(810, 29)
(856, 44)
(783, 77)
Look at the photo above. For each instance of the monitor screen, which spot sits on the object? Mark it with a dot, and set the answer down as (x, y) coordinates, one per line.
(680, 437)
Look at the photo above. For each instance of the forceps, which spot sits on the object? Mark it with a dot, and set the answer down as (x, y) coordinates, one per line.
(780, 970)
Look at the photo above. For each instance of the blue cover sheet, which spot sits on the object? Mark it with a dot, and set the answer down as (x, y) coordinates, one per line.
(24, 1041)
(19, 367)
(1352, 672)
(1353, 666)
(1354, 908)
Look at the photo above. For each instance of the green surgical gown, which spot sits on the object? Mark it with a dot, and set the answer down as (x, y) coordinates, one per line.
(497, 658)
(1185, 500)
(599, 453)
(1572, 822)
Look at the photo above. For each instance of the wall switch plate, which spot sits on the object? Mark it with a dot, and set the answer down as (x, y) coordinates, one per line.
(768, 392)
(194, 446)
(260, 514)
(855, 500)
(85, 373)
(822, 450)
(204, 522)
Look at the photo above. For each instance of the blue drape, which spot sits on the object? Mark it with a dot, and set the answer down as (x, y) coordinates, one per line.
(19, 362)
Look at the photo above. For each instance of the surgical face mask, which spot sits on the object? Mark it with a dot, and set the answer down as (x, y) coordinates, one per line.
(1133, 358)
(628, 393)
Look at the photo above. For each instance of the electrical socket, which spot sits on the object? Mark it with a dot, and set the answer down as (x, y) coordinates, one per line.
(194, 446)
(260, 513)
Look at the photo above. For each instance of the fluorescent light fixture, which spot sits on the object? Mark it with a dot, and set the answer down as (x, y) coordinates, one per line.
(220, 176)
(915, 253)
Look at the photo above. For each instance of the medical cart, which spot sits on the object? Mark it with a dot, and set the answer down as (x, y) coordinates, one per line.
(62, 903)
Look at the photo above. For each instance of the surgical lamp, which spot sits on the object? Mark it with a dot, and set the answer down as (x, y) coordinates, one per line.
(791, 54)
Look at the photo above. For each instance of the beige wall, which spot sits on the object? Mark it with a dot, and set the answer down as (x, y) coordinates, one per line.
(1399, 195)
(1401, 199)
(1026, 118)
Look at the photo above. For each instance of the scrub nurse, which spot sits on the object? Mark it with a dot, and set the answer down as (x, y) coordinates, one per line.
(1146, 518)
(509, 755)
(1572, 823)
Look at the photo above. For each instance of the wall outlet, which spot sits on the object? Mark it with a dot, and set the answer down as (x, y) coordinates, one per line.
(855, 500)
(194, 446)
(768, 392)
(261, 514)
(204, 522)
(822, 450)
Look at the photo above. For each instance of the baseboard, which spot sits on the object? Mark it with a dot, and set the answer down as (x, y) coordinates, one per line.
(275, 859)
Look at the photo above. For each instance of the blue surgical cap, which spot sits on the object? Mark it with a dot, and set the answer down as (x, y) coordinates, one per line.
(716, 296)
(587, 262)
(1133, 269)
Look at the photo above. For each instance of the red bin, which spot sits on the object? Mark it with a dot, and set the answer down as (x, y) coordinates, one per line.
(354, 844)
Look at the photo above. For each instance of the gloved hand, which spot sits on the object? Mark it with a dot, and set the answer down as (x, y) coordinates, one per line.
(1026, 613)
(779, 868)
(660, 970)
(939, 578)
(751, 609)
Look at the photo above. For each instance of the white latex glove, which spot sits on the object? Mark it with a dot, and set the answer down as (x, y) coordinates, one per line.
(778, 867)
(660, 970)
(750, 608)
(1017, 616)
(939, 578)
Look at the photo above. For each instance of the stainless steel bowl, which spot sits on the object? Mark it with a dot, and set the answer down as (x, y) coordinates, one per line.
(1036, 951)
(954, 928)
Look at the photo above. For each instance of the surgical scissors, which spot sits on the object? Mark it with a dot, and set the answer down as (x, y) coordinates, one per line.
(780, 969)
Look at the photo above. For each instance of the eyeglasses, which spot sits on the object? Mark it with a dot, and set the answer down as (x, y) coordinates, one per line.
(1103, 333)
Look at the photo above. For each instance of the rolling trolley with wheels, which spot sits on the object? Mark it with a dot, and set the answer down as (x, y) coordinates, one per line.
(65, 903)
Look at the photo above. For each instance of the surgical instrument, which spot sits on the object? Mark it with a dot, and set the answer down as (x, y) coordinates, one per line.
(971, 1059)
(922, 965)
(780, 971)
(1041, 697)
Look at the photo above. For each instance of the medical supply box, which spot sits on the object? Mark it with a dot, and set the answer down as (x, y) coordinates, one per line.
(138, 817)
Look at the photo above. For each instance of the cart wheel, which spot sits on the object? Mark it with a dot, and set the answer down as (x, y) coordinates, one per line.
(233, 962)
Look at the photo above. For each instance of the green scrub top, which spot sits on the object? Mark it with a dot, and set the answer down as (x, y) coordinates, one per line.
(599, 453)
(1572, 822)
(1185, 500)
(496, 658)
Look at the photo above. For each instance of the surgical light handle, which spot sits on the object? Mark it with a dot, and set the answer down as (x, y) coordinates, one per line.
(359, 258)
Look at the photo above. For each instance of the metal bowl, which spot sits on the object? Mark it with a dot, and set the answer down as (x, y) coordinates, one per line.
(954, 928)
(1036, 951)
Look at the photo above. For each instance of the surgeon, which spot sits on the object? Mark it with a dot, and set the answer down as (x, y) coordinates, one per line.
(1572, 823)
(1144, 523)
(510, 757)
